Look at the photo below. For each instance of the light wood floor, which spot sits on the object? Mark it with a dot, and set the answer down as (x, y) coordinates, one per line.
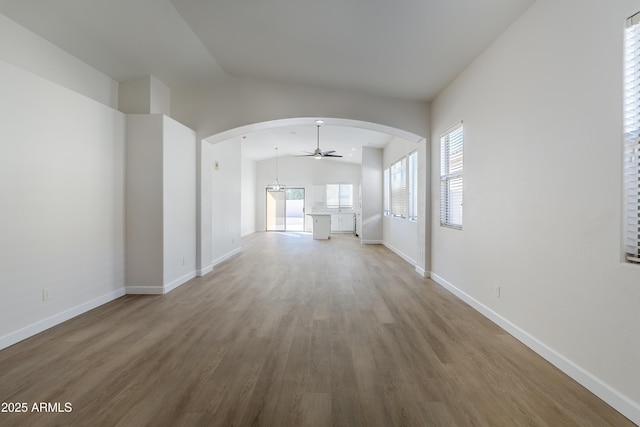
(293, 331)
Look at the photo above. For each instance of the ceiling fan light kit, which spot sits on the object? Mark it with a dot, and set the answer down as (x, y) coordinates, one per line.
(318, 153)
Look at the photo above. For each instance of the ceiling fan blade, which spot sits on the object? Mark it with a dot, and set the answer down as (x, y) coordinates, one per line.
(318, 153)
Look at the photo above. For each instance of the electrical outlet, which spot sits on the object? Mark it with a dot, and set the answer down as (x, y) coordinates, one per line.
(45, 295)
(496, 290)
(184, 261)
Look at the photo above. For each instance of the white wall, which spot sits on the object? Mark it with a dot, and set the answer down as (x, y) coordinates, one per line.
(62, 217)
(225, 199)
(542, 111)
(179, 203)
(302, 172)
(160, 204)
(235, 102)
(144, 203)
(204, 206)
(398, 234)
(32, 53)
(144, 95)
(423, 263)
(248, 196)
(372, 196)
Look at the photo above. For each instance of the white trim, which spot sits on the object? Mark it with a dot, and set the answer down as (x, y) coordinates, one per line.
(44, 324)
(333, 121)
(179, 281)
(145, 290)
(422, 272)
(401, 254)
(248, 233)
(225, 256)
(604, 391)
(204, 271)
(371, 242)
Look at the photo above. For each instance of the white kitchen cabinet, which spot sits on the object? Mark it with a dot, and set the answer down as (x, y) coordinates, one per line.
(321, 225)
(342, 222)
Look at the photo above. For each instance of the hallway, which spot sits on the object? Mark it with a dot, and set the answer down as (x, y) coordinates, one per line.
(293, 331)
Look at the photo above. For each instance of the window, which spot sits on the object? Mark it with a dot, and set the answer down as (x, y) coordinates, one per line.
(413, 186)
(632, 139)
(339, 196)
(400, 192)
(386, 191)
(451, 162)
(399, 188)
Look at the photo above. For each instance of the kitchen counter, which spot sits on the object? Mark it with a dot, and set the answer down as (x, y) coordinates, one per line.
(321, 225)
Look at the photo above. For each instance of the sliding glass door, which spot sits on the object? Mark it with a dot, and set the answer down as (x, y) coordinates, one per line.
(285, 210)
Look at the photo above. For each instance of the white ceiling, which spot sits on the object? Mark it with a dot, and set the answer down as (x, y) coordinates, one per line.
(404, 49)
(301, 139)
(408, 49)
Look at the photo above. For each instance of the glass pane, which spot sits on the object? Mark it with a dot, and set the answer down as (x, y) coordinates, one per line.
(333, 195)
(294, 209)
(346, 195)
(275, 211)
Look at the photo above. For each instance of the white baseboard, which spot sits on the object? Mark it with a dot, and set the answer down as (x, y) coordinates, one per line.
(145, 290)
(247, 233)
(204, 271)
(160, 290)
(179, 281)
(604, 391)
(400, 253)
(225, 256)
(56, 319)
(371, 242)
(422, 272)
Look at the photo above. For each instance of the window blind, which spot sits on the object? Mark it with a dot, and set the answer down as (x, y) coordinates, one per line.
(632, 139)
(386, 191)
(339, 196)
(346, 196)
(399, 188)
(333, 196)
(451, 178)
(413, 186)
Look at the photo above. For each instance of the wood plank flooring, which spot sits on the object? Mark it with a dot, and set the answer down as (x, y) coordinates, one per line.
(293, 331)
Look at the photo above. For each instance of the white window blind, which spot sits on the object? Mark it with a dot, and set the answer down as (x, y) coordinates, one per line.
(413, 186)
(339, 196)
(399, 188)
(632, 139)
(386, 191)
(451, 180)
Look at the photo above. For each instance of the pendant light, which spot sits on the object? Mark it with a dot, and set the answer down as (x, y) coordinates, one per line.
(277, 187)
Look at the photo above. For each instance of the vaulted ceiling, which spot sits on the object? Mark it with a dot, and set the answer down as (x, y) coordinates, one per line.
(407, 49)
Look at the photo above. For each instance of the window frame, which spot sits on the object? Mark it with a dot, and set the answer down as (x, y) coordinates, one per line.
(386, 196)
(631, 141)
(452, 176)
(340, 192)
(412, 185)
(398, 188)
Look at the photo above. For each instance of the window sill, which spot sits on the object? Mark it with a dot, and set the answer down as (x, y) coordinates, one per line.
(630, 259)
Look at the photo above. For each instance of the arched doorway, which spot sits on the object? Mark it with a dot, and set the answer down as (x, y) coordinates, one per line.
(219, 239)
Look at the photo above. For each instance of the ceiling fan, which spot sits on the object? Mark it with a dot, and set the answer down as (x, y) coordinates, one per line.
(318, 153)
